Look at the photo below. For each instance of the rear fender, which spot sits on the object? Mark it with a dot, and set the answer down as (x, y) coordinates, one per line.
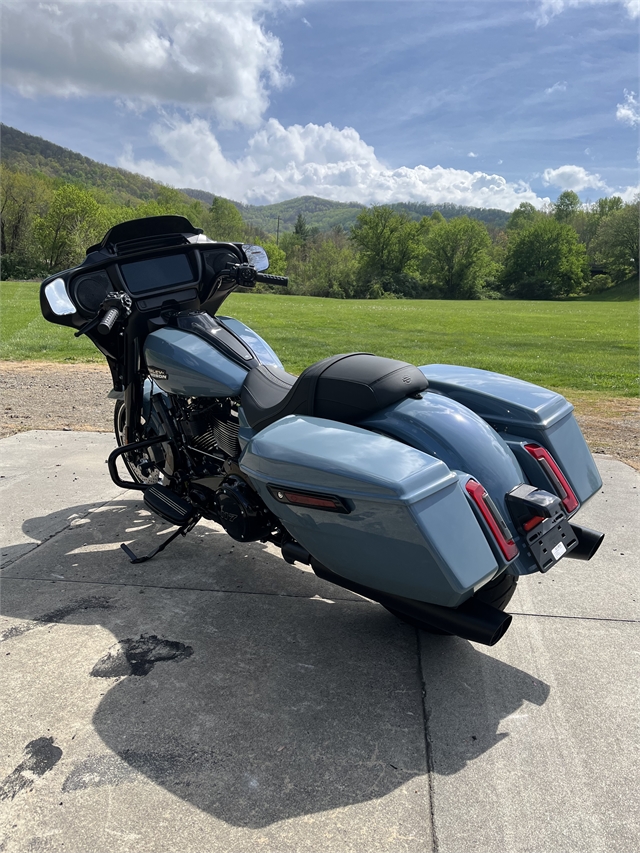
(446, 429)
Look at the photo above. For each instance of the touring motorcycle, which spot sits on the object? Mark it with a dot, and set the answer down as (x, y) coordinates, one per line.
(429, 489)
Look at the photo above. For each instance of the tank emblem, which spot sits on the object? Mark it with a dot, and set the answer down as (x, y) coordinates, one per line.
(157, 372)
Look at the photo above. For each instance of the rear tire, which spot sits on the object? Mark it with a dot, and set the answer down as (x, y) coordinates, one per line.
(498, 593)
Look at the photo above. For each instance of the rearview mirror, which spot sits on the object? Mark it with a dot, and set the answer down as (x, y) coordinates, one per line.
(57, 297)
(256, 256)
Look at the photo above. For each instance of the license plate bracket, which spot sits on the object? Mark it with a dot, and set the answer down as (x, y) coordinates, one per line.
(551, 540)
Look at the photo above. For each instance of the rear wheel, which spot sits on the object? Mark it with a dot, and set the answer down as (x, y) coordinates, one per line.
(498, 593)
(139, 464)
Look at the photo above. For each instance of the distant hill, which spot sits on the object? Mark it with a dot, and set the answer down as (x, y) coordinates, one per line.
(324, 214)
(27, 153)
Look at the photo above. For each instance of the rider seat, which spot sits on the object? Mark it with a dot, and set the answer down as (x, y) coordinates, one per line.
(343, 388)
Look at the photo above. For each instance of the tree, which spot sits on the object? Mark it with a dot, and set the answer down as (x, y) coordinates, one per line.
(23, 197)
(457, 258)
(523, 216)
(616, 243)
(567, 204)
(277, 258)
(388, 243)
(544, 261)
(73, 222)
(223, 221)
(301, 229)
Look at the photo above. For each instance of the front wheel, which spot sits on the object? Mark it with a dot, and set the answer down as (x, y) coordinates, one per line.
(498, 593)
(139, 464)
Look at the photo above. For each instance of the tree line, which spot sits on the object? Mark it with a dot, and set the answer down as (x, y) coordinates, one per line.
(565, 250)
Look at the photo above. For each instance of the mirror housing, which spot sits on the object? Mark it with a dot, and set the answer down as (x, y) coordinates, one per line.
(256, 256)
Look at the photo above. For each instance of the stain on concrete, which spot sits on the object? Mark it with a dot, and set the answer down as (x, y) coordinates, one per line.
(93, 602)
(179, 767)
(139, 656)
(41, 756)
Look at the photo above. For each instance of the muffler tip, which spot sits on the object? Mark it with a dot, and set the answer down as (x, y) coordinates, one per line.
(588, 542)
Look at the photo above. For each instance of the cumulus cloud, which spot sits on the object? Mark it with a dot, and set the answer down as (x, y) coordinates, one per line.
(550, 8)
(572, 178)
(557, 87)
(471, 154)
(284, 162)
(213, 55)
(629, 111)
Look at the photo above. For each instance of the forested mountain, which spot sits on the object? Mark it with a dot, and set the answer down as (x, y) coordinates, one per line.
(55, 203)
(324, 215)
(25, 153)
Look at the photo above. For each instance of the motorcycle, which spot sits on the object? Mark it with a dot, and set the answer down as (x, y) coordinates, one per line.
(429, 489)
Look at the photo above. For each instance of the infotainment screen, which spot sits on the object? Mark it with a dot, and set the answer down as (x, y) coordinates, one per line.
(156, 273)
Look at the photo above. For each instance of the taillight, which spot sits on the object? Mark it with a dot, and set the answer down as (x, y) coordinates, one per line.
(550, 467)
(496, 523)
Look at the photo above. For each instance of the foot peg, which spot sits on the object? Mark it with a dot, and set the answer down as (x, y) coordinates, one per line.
(171, 507)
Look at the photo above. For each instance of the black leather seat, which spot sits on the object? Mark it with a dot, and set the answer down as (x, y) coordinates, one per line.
(342, 388)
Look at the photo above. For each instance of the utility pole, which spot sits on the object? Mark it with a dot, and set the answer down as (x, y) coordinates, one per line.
(278, 233)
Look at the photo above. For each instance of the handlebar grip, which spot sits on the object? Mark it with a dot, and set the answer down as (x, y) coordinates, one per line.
(264, 278)
(108, 321)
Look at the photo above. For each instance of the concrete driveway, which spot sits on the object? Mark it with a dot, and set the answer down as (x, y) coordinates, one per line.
(218, 699)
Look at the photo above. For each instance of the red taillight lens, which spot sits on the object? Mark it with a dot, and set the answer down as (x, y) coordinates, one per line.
(310, 500)
(550, 467)
(495, 521)
(329, 503)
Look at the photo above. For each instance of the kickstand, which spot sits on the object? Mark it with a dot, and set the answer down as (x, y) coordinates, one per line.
(181, 531)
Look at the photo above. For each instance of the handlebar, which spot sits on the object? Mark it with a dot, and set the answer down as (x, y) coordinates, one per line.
(280, 280)
(108, 321)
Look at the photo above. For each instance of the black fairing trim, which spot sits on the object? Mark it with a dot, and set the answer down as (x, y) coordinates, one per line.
(343, 388)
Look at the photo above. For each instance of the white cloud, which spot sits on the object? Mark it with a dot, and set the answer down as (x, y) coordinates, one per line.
(629, 111)
(326, 161)
(572, 178)
(557, 87)
(630, 194)
(550, 8)
(471, 154)
(213, 55)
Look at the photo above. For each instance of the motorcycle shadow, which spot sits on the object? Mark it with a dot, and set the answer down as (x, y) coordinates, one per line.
(261, 707)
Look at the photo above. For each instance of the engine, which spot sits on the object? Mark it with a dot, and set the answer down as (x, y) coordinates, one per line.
(211, 426)
(242, 513)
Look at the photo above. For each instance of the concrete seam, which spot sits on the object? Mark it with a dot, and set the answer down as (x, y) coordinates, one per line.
(180, 588)
(579, 618)
(428, 749)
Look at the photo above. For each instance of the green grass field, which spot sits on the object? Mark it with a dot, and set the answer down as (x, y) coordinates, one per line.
(579, 345)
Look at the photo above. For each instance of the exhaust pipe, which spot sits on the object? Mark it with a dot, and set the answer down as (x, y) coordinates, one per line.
(473, 620)
(588, 543)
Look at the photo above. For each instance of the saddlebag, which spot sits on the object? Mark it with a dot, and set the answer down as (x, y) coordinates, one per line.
(371, 509)
(523, 414)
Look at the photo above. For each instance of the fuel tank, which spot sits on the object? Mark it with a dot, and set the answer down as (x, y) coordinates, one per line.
(182, 363)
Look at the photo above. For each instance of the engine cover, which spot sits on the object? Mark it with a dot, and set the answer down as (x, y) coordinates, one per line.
(242, 514)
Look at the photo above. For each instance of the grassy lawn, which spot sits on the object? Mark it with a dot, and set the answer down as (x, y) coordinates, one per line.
(579, 345)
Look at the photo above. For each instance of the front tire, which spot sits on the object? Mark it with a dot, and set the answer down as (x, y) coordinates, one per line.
(139, 464)
(498, 593)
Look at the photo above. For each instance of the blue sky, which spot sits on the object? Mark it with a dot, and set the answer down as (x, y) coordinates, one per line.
(489, 102)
